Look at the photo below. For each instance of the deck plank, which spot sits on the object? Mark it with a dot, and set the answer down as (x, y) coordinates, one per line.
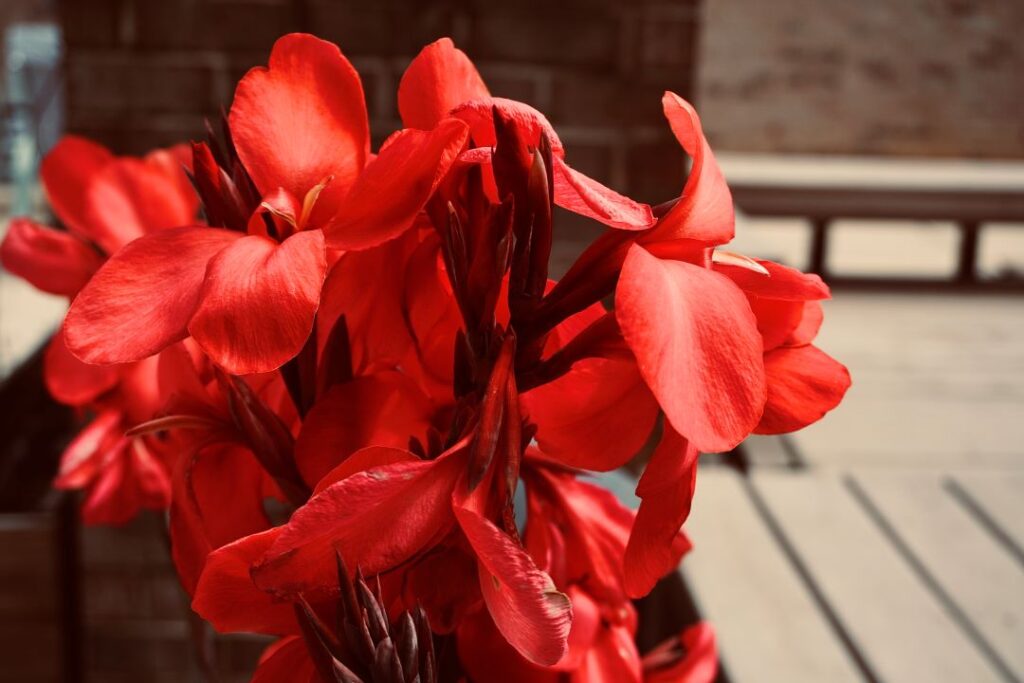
(1001, 496)
(978, 575)
(769, 628)
(901, 629)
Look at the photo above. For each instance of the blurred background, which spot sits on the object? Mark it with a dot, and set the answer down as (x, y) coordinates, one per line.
(879, 143)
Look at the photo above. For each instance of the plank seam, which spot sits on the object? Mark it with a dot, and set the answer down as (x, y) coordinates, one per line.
(932, 584)
(976, 510)
(804, 574)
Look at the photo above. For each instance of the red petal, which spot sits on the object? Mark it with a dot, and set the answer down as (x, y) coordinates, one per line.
(704, 211)
(395, 186)
(258, 301)
(698, 662)
(50, 260)
(83, 457)
(439, 79)
(228, 599)
(66, 172)
(362, 460)
(777, 319)
(203, 517)
(613, 658)
(594, 524)
(533, 616)
(386, 409)
(587, 197)
(141, 300)
(302, 120)
(810, 323)
(487, 656)
(173, 162)
(596, 416)
(479, 114)
(697, 345)
(130, 480)
(782, 282)
(71, 381)
(412, 500)
(804, 383)
(129, 198)
(666, 491)
(363, 287)
(286, 660)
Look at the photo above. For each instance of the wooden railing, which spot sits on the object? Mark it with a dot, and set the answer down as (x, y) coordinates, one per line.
(821, 190)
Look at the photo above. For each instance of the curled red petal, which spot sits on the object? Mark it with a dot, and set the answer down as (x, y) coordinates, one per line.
(530, 123)
(258, 301)
(704, 211)
(227, 597)
(526, 607)
(66, 172)
(440, 78)
(781, 282)
(412, 500)
(302, 119)
(804, 383)
(697, 345)
(666, 493)
(395, 186)
(143, 297)
(587, 197)
(50, 260)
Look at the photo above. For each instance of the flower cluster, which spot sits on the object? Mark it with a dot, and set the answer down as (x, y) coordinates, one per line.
(357, 365)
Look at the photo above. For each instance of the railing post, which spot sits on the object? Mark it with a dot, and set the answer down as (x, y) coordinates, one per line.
(819, 247)
(966, 272)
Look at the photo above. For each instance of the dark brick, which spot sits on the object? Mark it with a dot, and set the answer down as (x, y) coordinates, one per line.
(558, 34)
(656, 170)
(589, 100)
(386, 28)
(214, 24)
(595, 159)
(125, 82)
(90, 23)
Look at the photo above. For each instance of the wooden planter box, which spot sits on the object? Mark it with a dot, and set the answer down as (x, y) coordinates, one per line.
(39, 637)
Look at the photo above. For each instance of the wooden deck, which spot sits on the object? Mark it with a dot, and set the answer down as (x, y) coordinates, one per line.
(885, 543)
(861, 575)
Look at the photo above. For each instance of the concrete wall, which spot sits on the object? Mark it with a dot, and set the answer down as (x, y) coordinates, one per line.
(891, 77)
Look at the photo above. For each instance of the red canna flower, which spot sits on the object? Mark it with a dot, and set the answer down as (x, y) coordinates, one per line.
(249, 299)
(104, 201)
(410, 372)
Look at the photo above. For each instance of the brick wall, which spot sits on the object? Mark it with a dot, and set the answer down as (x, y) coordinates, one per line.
(135, 614)
(911, 77)
(142, 73)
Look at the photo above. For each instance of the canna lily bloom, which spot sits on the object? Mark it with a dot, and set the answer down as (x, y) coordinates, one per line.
(421, 501)
(442, 81)
(691, 328)
(104, 202)
(249, 299)
(804, 382)
(121, 474)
